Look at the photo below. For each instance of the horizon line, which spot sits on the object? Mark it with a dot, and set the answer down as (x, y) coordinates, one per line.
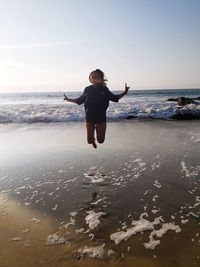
(78, 91)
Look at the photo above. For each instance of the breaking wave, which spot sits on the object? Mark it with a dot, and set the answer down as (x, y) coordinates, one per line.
(137, 105)
(118, 112)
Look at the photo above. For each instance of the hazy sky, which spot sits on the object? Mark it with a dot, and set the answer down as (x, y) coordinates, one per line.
(53, 44)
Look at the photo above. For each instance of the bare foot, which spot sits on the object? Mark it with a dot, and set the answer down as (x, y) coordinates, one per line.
(94, 144)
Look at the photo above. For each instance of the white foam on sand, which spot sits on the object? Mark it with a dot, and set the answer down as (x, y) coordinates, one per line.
(74, 213)
(55, 207)
(155, 211)
(198, 201)
(2, 178)
(91, 236)
(54, 239)
(154, 198)
(155, 166)
(157, 184)
(192, 214)
(143, 225)
(190, 172)
(198, 198)
(96, 176)
(92, 252)
(140, 226)
(27, 243)
(72, 222)
(61, 171)
(111, 252)
(184, 221)
(146, 192)
(184, 169)
(159, 233)
(35, 220)
(26, 230)
(195, 204)
(92, 219)
(141, 167)
(195, 137)
(79, 231)
(70, 180)
(13, 239)
(98, 201)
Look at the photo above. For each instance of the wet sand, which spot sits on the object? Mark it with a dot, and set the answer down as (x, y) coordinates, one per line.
(52, 182)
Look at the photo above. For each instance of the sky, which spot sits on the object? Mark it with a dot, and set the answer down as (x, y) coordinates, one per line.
(53, 45)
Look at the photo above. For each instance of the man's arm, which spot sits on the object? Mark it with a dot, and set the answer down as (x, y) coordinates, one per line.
(70, 99)
(80, 100)
(125, 91)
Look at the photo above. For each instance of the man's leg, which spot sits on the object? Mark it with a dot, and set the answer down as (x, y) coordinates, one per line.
(101, 131)
(90, 127)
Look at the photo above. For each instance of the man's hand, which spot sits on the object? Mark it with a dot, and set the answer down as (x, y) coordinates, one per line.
(124, 92)
(126, 88)
(70, 99)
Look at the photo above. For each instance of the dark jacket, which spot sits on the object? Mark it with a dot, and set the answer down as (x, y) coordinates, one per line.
(96, 101)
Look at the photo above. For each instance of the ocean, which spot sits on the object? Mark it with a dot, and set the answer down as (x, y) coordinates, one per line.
(132, 201)
(49, 107)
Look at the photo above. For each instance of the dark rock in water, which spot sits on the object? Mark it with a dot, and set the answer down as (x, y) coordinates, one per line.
(185, 114)
(188, 116)
(130, 117)
(182, 101)
(172, 99)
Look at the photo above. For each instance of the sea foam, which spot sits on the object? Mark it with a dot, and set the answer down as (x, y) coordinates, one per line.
(50, 107)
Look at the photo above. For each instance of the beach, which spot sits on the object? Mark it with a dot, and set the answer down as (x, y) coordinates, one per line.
(133, 201)
(124, 77)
